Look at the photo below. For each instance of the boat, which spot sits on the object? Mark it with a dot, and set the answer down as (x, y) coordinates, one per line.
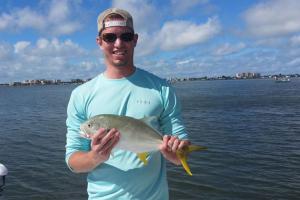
(3, 173)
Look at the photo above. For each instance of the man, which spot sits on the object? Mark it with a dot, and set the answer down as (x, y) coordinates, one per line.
(122, 89)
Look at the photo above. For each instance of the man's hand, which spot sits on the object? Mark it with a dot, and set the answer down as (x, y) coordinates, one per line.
(169, 147)
(102, 144)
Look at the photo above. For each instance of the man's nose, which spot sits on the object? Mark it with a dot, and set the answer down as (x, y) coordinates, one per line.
(118, 42)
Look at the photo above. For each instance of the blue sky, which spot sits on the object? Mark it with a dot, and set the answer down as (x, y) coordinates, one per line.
(55, 39)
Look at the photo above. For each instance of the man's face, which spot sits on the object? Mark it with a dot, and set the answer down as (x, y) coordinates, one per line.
(117, 53)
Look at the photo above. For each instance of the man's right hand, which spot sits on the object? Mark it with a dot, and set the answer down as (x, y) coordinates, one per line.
(101, 145)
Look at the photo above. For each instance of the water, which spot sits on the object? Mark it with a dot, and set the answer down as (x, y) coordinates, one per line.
(251, 127)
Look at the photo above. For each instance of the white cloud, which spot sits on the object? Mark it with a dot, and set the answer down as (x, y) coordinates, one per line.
(42, 43)
(27, 18)
(178, 34)
(147, 44)
(5, 52)
(145, 15)
(56, 48)
(175, 35)
(59, 11)
(64, 29)
(180, 7)
(56, 21)
(20, 46)
(295, 40)
(155, 34)
(62, 59)
(295, 62)
(273, 18)
(146, 21)
(159, 32)
(274, 42)
(22, 18)
(185, 62)
(228, 48)
(88, 65)
(59, 16)
(5, 20)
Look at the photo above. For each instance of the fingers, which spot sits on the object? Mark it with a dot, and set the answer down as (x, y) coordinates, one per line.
(173, 144)
(103, 141)
(170, 146)
(97, 137)
(183, 144)
(108, 148)
(164, 145)
(109, 140)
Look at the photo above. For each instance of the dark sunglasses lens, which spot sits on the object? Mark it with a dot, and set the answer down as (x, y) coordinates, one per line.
(127, 37)
(109, 37)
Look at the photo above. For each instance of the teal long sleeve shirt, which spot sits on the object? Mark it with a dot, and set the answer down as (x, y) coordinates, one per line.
(140, 95)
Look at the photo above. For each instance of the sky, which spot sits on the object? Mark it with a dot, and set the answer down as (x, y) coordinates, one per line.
(56, 39)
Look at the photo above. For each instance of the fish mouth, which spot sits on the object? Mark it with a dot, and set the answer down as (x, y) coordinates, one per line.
(83, 133)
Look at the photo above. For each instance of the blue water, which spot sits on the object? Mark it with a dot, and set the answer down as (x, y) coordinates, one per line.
(251, 129)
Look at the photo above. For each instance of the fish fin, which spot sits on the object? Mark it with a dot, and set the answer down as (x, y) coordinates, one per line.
(192, 148)
(143, 157)
(149, 120)
(182, 155)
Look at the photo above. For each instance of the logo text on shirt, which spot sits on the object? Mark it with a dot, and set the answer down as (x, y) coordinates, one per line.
(142, 101)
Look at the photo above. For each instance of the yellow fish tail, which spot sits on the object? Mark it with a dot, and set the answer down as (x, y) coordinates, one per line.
(182, 155)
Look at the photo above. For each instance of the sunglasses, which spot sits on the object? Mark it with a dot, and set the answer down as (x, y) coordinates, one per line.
(112, 37)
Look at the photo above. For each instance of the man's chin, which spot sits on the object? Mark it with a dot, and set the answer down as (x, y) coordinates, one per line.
(120, 64)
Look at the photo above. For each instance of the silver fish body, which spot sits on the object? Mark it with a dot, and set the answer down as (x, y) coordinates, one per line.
(136, 135)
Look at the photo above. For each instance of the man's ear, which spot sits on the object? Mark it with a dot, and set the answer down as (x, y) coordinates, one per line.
(135, 39)
(99, 41)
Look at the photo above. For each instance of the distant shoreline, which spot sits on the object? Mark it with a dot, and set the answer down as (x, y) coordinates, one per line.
(30, 85)
(171, 80)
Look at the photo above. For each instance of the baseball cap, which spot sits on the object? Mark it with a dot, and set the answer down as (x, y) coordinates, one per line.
(126, 22)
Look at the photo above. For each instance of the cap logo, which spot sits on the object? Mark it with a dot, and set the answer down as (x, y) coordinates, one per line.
(114, 23)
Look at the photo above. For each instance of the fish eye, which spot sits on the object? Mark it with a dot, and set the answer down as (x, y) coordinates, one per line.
(89, 125)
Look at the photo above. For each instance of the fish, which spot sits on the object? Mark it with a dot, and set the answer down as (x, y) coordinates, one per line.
(136, 135)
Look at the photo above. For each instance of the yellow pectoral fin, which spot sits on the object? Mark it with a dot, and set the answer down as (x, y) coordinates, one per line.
(143, 157)
(182, 156)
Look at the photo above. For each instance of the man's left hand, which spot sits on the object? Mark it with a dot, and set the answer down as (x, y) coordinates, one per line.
(170, 146)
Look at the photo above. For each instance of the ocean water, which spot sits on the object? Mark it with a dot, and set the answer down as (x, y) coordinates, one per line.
(251, 129)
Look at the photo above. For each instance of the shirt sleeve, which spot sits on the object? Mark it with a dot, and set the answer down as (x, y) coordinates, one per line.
(170, 119)
(75, 116)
